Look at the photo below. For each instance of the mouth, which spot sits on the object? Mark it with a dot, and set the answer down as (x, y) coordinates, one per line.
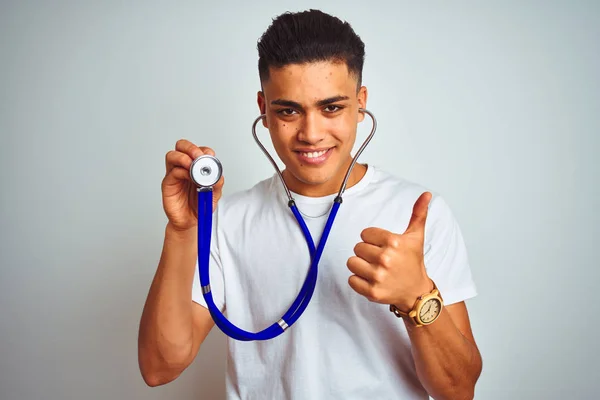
(314, 157)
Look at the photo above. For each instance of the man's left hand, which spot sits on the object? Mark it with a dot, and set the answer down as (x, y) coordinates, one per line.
(389, 268)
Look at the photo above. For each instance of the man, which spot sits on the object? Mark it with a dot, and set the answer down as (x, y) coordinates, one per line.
(391, 243)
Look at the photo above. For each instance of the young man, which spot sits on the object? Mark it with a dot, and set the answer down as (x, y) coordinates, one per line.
(392, 242)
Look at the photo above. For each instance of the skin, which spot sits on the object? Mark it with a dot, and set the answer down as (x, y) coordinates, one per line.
(309, 106)
(172, 326)
(314, 122)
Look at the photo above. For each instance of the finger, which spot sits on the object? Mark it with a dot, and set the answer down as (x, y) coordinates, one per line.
(176, 175)
(360, 286)
(379, 237)
(368, 252)
(419, 215)
(207, 150)
(219, 185)
(189, 148)
(177, 159)
(361, 268)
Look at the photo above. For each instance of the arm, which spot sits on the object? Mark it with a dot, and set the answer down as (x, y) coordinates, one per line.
(446, 357)
(172, 326)
(389, 268)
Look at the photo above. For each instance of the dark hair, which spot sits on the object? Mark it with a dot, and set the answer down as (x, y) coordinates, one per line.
(309, 36)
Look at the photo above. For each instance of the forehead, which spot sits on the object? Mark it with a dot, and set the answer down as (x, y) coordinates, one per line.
(310, 81)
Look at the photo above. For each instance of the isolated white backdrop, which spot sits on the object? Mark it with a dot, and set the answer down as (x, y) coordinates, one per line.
(495, 105)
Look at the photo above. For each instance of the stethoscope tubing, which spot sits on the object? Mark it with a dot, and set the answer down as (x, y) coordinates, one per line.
(298, 306)
(205, 200)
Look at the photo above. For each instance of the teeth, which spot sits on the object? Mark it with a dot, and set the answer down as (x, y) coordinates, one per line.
(314, 154)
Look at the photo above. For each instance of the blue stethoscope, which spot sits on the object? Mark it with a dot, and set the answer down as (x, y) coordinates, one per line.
(205, 172)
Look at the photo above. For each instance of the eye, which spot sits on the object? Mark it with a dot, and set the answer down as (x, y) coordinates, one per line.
(332, 108)
(286, 111)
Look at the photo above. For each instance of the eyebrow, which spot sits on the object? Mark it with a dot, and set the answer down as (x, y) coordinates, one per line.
(320, 103)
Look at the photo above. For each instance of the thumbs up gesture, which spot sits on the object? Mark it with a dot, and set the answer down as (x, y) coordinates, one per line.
(389, 268)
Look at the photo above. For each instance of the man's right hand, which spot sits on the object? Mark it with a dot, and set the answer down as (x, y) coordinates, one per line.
(173, 326)
(179, 194)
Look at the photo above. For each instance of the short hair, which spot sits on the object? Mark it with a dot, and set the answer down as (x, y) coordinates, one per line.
(309, 36)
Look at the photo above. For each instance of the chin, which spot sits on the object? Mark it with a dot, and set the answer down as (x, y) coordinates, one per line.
(313, 176)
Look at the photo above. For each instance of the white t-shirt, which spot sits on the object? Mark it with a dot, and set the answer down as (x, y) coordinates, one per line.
(343, 346)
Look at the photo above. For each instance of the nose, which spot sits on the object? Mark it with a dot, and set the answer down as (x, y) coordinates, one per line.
(311, 130)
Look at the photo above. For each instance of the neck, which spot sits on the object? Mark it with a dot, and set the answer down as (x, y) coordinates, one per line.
(332, 186)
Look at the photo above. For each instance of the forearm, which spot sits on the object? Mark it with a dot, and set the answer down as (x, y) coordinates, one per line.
(166, 327)
(448, 364)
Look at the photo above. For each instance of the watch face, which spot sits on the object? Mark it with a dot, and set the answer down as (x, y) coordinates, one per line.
(430, 310)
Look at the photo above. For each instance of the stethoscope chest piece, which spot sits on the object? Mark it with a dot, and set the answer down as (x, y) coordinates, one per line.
(206, 171)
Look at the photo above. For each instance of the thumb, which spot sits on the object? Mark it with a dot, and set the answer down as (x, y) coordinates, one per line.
(419, 214)
(219, 185)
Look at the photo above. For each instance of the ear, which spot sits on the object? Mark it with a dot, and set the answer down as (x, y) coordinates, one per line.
(262, 106)
(362, 101)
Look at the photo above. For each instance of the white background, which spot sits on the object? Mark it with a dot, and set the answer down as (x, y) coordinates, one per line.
(493, 104)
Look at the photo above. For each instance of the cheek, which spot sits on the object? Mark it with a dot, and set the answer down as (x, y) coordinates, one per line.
(282, 133)
(344, 129)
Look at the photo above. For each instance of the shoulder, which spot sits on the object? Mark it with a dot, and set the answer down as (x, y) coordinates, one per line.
(244, 201)
(402, 192)
(397, 189)
(388, 183)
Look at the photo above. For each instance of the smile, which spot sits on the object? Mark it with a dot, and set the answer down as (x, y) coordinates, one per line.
(314, 154)
(314, 157)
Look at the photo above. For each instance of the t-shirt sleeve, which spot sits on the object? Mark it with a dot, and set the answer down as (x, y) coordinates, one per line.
(215, 272)
(446, 258)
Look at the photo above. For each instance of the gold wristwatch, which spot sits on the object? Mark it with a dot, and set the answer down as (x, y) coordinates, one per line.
(426, 310)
